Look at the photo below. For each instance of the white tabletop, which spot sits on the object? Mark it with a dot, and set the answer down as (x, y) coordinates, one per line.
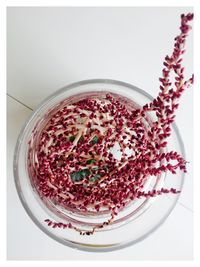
(49, 48)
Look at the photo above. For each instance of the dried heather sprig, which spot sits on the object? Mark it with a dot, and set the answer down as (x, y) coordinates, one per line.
(166, 102)
(74, 165)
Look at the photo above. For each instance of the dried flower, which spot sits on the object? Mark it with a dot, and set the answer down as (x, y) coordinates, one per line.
(74, 165)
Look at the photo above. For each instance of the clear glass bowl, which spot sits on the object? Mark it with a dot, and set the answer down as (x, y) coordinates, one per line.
(135, 222)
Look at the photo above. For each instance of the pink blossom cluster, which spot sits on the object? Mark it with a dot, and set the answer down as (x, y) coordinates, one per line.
(72, 161)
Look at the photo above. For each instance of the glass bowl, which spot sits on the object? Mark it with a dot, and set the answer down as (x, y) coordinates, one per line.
(136, 221)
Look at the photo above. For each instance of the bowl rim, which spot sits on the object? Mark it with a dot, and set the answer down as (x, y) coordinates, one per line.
(72, 244)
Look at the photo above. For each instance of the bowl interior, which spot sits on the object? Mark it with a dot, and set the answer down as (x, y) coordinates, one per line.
(134, 222)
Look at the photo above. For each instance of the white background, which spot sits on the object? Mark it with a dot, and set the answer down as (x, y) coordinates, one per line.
(48, 48)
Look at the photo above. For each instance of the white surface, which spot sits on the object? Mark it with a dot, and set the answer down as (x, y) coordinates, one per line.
(51, 47)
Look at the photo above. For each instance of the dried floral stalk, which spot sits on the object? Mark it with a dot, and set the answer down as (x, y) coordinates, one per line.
(74, 165)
